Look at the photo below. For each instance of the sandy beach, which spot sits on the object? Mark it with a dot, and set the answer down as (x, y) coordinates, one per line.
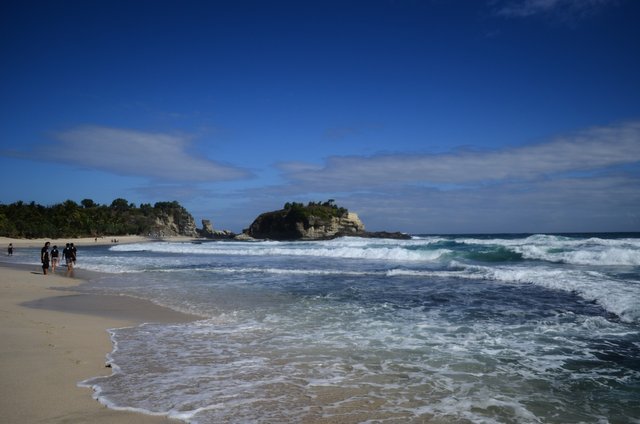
(53, 339)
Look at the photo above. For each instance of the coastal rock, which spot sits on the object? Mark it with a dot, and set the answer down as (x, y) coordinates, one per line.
(313, 222)
(209, 232)
(173, 220)
(207, 227)
(396, 235)
(243, 237)
(350, 224)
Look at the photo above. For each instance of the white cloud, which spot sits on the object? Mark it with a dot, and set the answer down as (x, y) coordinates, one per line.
(591, 150)
(606, 203)
(585, 181)
(158, 156)
(550, 193)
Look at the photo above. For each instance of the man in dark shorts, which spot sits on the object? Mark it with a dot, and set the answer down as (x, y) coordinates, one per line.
(54, 258)
(74, 252)
(68, 257)
(44, 258)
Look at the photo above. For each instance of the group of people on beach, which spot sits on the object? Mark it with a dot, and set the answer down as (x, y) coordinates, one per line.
(53, 258)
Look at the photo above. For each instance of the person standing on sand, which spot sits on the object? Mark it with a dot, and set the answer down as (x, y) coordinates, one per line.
(54, 258)
(10, 249)
(74, 253)
(68, 257)
(44, 258)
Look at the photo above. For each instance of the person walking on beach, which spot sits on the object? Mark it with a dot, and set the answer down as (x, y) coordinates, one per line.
(74, 253)
(44, 258)
(68, 257)
(10, 249)
(54, 258)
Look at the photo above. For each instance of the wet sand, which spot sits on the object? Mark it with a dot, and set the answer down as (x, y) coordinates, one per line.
(53, 339)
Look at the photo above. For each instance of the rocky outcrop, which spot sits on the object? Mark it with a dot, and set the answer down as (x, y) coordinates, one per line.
(208, 231)
(318, 228)
(173, 220)
(385, 235)
(243, 237)
(290, 225)
(315, 221)
(207, 227)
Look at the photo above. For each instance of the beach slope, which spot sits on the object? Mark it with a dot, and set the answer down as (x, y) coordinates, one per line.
(53, 339)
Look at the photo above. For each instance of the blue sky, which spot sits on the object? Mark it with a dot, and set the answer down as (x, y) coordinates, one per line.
(421, 116)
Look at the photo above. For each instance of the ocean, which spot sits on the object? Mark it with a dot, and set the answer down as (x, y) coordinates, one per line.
(442, 329)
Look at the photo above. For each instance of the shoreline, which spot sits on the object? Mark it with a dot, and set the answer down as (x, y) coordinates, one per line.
(84, 241)
(52, 340)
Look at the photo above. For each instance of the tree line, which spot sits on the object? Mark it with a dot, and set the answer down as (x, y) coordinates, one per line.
(87, 219)
(324, 210)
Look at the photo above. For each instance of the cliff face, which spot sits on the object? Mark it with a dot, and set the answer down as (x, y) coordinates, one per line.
(294, 224)
(322, 229)
(174, 222)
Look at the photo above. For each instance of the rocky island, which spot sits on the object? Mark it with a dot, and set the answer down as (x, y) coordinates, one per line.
(315, 221)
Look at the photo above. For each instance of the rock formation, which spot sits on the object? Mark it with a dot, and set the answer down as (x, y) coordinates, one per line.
(207, 231)
(316, 221)
(207, 227)
(175, 221)
(298, 222)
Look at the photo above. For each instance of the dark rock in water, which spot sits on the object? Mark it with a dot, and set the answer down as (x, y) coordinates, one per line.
(207, 231)
(290, 224)
(385, 235)
(316, 221)
(207, 227)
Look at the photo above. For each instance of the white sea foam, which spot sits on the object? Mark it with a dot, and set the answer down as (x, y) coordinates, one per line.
(276, 271)
(342, 250)
(233, 371)
(616, 296)
(417, 330)
(592, 251)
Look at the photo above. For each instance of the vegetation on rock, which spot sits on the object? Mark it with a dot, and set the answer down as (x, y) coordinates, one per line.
(322, 210)
(316, 220)
(89, 219)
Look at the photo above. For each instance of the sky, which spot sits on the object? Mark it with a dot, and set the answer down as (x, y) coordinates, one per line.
(432, 116)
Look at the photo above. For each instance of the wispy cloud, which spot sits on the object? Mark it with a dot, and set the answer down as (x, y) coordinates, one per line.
(590, 150)
(585, 181)
(159, 156)
(566, 9)
(603, 203)
(575, 182)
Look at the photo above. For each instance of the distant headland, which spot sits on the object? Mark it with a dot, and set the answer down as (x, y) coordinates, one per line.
(295, 221)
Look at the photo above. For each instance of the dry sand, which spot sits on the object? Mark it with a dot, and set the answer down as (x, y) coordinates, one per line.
(51, 340)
